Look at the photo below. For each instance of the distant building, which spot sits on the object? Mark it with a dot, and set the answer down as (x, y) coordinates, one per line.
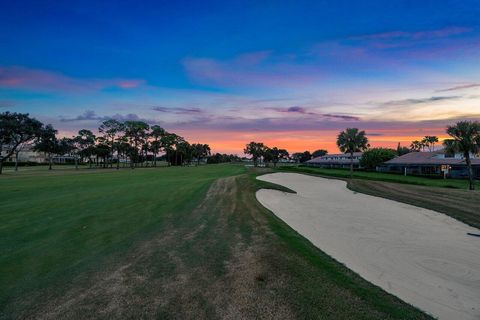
(432, 163)
(339, 160)
(26, 154)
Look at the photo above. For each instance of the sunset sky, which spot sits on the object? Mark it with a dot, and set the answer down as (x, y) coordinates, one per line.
(290, 74)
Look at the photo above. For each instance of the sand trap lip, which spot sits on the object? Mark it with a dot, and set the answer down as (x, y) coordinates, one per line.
(423, 257)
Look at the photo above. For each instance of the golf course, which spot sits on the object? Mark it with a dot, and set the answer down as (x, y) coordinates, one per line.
(172, 242)
(237, 160)
(424, 257)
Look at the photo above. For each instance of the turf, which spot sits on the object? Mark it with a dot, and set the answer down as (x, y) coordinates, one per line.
(463, 205)
(379, 176)
(166, 243)
(53, 226)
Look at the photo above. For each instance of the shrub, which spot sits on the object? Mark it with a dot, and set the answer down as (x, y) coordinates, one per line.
(376, 156)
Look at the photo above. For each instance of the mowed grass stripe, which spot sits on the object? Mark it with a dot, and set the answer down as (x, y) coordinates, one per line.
(54, 227)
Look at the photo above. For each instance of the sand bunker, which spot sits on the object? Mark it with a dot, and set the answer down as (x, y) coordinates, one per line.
(423, 257)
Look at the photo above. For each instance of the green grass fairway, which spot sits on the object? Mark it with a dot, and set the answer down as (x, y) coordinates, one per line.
(378, 176)
(189, 242)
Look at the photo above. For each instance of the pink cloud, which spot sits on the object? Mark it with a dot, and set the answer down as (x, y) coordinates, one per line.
(129, 84)
(18, 77)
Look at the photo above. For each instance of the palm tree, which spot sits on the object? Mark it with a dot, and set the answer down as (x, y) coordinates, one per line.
(432, 140)
(200, 151)
(465, 139)
(416, 146)
(429, 142)
(351, 140)
(424, 143)
(184, 150)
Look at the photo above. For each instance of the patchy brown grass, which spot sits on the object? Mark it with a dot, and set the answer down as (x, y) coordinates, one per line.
(230, 258)
(205, 267)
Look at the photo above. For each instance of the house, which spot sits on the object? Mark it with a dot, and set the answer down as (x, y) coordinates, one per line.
(436, 163)
(338, 160)
(26, 154)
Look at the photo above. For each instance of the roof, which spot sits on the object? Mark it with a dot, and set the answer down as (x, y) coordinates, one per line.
(355, 154)
(326, 159)
(432, 158)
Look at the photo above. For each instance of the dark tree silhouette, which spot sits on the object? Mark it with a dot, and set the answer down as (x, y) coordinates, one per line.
(351, 140)
(465, 139)
(16, 129)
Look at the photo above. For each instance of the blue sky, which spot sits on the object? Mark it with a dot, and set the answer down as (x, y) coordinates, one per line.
(288, 73)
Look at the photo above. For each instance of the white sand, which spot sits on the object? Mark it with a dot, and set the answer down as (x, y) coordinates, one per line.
(423, 257)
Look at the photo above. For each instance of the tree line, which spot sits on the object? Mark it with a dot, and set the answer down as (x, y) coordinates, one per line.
(427, 142)
(135, 142)
(464, 139)
(259, 151)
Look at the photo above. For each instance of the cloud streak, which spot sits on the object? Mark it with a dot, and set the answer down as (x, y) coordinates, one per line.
(90, 115)
(416, 35)
(6, 104)
(178, 110)
(304, 111)
(409, 102)
(466, 86)
(17, 77)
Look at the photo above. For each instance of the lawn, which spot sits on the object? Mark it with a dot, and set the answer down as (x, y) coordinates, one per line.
(379, 176)
(188, 242)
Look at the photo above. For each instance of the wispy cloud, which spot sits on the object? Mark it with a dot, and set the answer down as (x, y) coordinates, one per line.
(178, 110)
(415, 35)
(408, 102)
(340, 116)
(7, 104)
(461, 87)
(90, 115)
(302, 110)
(294, 109)
(248, 71)
(316, 124)
(395, 49)
(18, 77)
